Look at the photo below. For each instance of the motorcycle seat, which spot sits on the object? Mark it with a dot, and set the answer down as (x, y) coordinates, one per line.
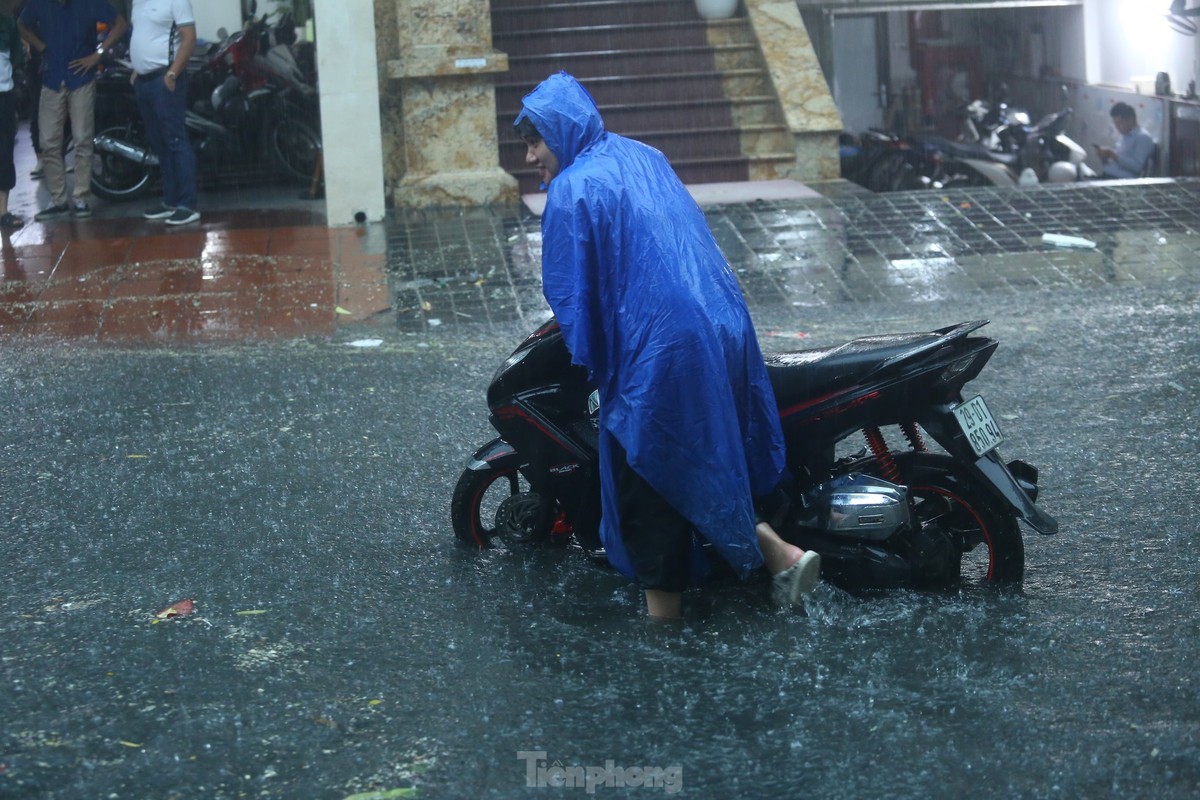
(980, 152)
(802, 375)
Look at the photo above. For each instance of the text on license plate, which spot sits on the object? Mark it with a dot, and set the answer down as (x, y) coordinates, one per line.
(978, 425)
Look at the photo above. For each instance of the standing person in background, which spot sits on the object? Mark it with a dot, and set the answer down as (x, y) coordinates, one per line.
(12, 51)
(164, 35)
(33, 75)
(64, 33)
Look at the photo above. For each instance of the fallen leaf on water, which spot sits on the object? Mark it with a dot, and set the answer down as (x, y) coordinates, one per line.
(374, 702)
(129, 744)
(180, 609)
(340, 310)
(252, 612)
(137, 455)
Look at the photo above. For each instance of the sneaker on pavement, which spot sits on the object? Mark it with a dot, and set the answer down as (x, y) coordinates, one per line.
(161, 211)
(80, 208)
(53, 212)
(182, 216)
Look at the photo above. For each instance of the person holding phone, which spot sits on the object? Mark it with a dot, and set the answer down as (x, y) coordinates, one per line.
(1134, 147)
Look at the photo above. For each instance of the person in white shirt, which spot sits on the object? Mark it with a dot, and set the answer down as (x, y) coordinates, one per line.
(164, 36)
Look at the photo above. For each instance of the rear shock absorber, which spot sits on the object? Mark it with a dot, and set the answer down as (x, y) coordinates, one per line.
(887, 464)
(913, 434)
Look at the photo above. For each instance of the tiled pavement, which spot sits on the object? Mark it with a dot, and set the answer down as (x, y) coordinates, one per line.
(464, 267)
(236, 275)
(281, 273)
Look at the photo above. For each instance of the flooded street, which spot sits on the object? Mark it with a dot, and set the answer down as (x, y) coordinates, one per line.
(341, 643)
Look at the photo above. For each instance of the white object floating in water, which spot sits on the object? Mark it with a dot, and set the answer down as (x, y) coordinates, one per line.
(1060, 240)
(365, 343)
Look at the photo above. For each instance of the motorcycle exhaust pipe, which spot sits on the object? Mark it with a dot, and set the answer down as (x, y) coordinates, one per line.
(138, 155)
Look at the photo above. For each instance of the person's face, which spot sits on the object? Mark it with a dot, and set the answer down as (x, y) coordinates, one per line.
(540, 155)
(1123, 124)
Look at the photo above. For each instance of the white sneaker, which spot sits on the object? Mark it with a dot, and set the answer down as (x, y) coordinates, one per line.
(797, 580)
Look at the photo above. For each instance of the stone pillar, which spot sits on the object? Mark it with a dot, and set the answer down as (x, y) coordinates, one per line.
(448, 104)
(812, 116)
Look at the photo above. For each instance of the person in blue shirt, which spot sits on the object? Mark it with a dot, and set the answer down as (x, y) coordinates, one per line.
(689, 429)
(11, 56)
(63, 32)
(1133, 149)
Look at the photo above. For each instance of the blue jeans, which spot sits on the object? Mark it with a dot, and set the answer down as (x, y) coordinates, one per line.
(163, 111)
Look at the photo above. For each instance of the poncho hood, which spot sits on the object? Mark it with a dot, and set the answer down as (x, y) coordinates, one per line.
(566, 116)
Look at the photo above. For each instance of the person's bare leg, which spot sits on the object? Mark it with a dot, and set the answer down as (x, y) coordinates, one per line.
(664, 605)
(778, 554)
(795, 572)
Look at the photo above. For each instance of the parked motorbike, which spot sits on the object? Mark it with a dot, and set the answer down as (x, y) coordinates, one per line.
(1005, 145)
(884, 162)
(249, 106)
(883, 517)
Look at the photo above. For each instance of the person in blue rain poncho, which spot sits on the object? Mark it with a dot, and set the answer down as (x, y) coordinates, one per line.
(648, 304)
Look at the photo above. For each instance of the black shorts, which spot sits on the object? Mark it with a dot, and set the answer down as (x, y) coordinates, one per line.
(658, 538)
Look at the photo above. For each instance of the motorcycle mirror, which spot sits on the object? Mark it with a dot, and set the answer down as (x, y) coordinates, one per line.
(222, 34)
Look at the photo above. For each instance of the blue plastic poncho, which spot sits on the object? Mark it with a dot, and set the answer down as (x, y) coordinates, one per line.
(648, 304)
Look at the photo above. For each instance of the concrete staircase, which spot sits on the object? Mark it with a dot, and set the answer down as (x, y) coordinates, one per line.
(697, 90)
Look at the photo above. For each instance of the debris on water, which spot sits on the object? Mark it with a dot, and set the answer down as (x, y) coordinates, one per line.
(340, 310)
(180, 609)
(365, 343)
(388, 794)
(1062, 240)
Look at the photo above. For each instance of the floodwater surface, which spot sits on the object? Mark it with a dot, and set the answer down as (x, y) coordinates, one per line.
(342, 643)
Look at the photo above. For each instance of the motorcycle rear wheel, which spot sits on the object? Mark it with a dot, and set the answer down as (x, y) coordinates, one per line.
(949, 499)
(495, 503)
(116, 178)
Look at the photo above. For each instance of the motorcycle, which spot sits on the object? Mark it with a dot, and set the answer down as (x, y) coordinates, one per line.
(249, 105)
(882, 517)
(884, 162)
(1006, 147)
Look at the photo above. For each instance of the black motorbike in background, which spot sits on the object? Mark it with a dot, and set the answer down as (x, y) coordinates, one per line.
(253, 114)
(886, 516)
(884, 162)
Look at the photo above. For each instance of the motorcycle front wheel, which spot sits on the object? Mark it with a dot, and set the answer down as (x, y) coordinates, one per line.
(494, 503)
(116, 178)
(294, 146)
(948, 500)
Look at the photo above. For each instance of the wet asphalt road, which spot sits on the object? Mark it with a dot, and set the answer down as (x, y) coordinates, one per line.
(298, 492)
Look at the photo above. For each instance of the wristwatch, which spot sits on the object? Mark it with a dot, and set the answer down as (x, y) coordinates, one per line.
(171, 74)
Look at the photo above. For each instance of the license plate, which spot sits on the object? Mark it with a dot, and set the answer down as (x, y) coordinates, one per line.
(978, 425)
